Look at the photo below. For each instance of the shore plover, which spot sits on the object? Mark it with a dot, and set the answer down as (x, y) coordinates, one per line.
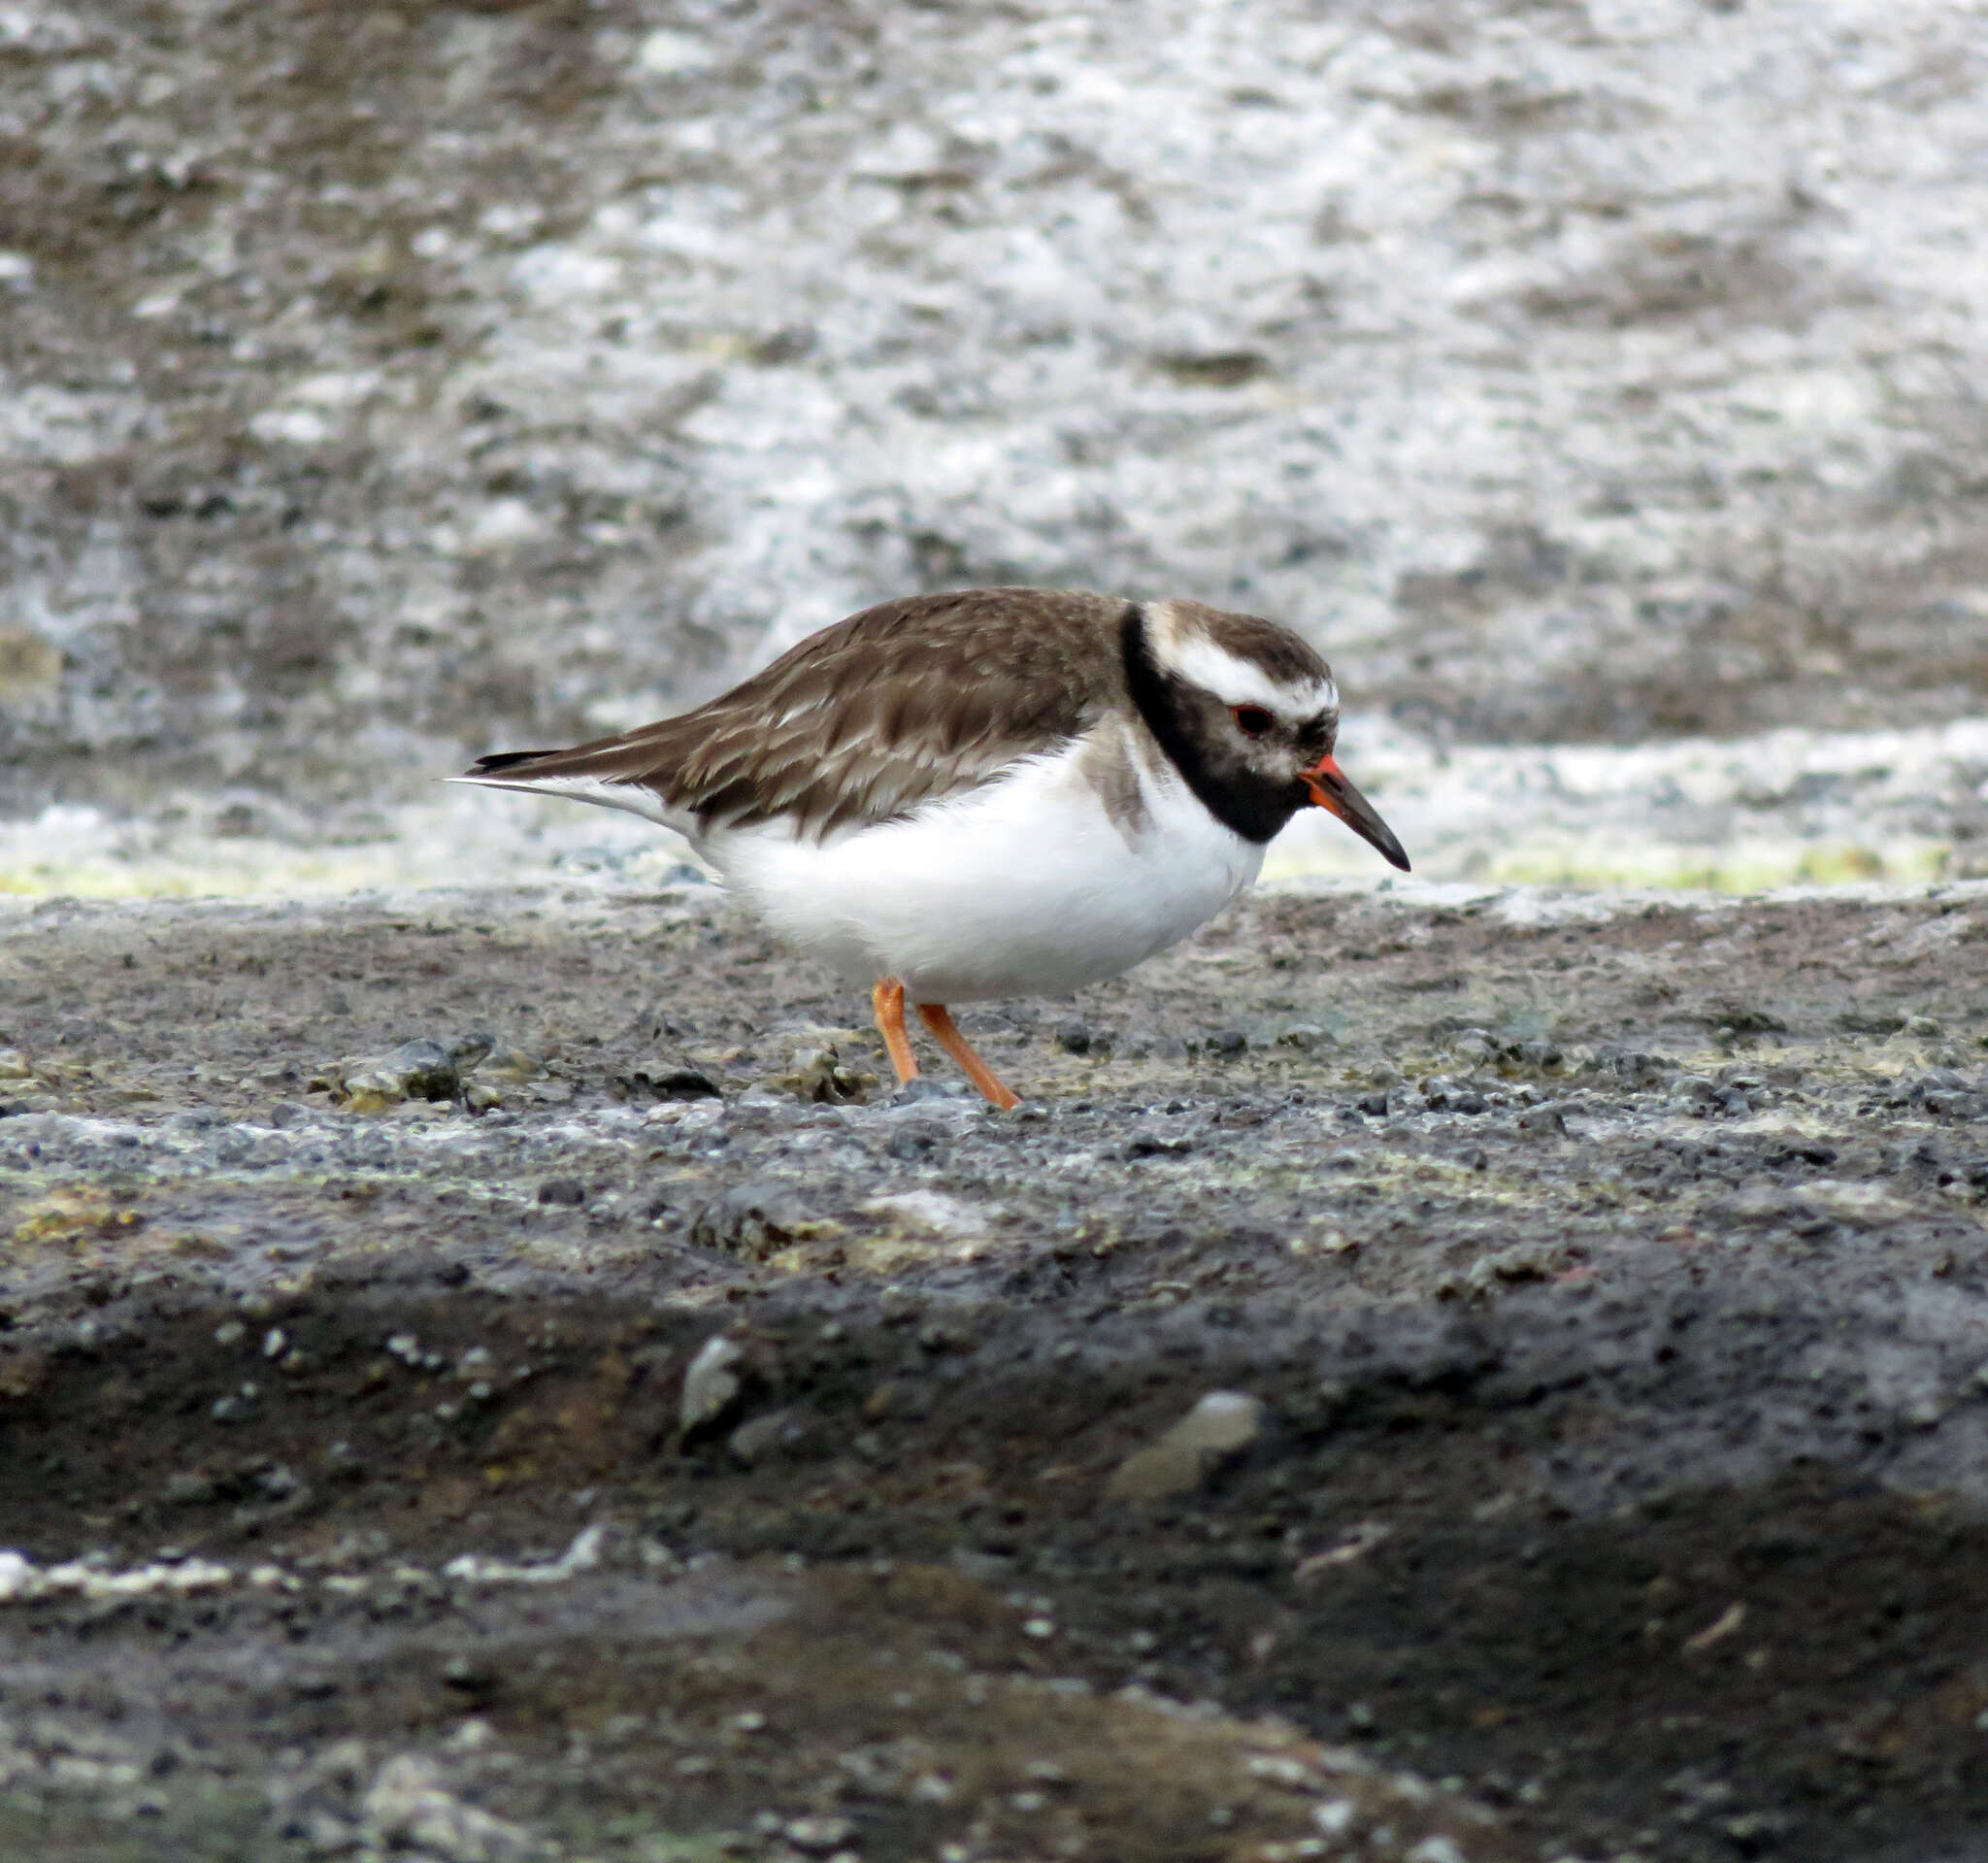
(992, 792)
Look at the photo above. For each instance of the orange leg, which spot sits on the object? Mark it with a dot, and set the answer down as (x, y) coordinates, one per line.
(954, 1044)
(887, 999)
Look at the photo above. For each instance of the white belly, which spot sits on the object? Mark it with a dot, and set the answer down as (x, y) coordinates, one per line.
(1025, 887)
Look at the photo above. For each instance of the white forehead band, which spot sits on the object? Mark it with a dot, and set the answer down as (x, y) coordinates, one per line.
(1236, 681)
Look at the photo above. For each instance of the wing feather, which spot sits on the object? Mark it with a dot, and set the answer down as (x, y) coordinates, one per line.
(868, 719)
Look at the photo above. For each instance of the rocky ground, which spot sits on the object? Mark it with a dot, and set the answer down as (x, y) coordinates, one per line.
(1422, 1375)
(1430, 1374)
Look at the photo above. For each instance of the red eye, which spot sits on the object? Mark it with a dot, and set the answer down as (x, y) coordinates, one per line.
(1253, 721)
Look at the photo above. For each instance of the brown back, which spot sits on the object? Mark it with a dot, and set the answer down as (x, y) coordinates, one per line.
(862, 722)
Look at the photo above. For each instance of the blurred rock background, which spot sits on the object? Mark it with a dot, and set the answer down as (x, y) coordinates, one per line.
(382, 384)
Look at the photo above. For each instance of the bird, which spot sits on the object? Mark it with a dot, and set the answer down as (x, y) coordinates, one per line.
(986, 792)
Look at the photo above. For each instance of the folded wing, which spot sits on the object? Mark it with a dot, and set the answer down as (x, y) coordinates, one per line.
(863, 722)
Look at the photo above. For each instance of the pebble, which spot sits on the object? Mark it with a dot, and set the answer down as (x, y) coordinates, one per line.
(756, 1220)
(818, 1835)
(1525, 1261)
(1074, 1036)
(919, 1143)
(417, 1069)
(1220, 1426)
(408, 1807)
(713, 1383)
(506, 1066)
(776, 1432)
(1435, 1849)
(1632, 1067)
(820, 1076)
(675, 1086)
(922, 1088)
(567, 1192)
(1305, 1037)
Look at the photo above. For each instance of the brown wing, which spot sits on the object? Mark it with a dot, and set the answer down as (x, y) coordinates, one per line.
(867, 719)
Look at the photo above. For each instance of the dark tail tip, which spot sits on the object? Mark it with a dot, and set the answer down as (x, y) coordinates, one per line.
(501, 760)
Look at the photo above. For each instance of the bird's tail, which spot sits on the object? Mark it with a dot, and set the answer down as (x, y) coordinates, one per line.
(612, 773)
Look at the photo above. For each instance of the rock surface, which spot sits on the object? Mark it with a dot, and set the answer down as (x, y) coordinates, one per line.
(1613, 1282)
(389, 384)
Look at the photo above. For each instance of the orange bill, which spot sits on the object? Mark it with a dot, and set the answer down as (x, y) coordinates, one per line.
(1332, 792)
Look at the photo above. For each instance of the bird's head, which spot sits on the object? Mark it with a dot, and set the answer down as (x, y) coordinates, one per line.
(1251, 714)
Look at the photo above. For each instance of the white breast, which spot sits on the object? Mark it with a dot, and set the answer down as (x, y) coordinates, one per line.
(1024, 887)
